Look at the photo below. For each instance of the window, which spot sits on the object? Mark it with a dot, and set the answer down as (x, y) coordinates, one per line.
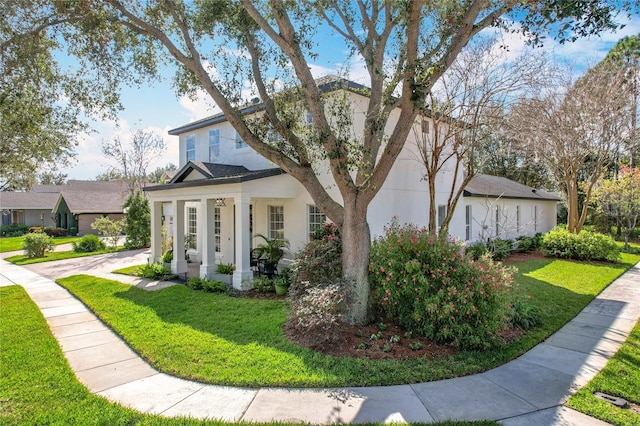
(468, 218)
(315, 219)
(442, 213)
(276, 222)
(308, 117)
(191, 240)
(240, 143)
(517, 218)
(191, 148)
(217, 227)
(214, 144)
(497, 221)
(535, 219)
(424, 125)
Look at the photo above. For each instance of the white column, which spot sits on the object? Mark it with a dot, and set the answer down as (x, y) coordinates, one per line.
(156, 232)
(179, 263)
(208, 246)
(243, 275)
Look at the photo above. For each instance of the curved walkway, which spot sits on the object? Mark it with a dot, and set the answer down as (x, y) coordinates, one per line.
(529, 390)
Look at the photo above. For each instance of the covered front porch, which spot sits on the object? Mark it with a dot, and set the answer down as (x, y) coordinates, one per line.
(212, 222)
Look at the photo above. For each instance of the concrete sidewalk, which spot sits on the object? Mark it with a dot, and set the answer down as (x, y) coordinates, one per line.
(530, 390)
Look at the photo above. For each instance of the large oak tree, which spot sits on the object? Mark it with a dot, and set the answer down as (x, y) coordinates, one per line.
(405, 46)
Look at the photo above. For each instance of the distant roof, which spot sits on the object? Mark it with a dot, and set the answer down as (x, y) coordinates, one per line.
(496, 186)
(10, 200)
(214, 174)
(325, 84)
(84, 196)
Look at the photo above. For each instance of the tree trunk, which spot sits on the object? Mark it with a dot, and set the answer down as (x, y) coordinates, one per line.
(572, 207)
(356, 245)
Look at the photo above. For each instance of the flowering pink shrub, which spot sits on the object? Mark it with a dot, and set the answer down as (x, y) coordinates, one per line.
(427, 285)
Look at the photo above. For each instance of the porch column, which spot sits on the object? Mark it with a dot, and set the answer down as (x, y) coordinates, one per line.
(208, 248)
(156, 232)
(179, 263)
(242, 275)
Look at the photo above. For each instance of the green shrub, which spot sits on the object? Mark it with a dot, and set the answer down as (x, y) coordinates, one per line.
(524, 315)
(476, 250)
(167, 257)
(537, 240)
(211, 286)
(73, 231)
(499, 249)
(225, 268)
(137, 221)
(37, 243)
(428, 286)
(263, 284)
(55, 232)
(585, 245)
(326, 231)
(319, 262)
(88, 243)
(155, 271)
(524, 244)
(13, 230)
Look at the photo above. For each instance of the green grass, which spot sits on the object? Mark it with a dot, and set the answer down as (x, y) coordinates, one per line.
(37, 386)
(218, 339)
(620, 377)
(17, 243)
(129, 270)
(21, 259)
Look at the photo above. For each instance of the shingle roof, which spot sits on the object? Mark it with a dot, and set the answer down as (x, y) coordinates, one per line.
(496, 186)
(88, 201)
(10, 200)
(215, 174)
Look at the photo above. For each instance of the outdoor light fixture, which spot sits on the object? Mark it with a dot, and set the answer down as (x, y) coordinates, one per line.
(220, 202)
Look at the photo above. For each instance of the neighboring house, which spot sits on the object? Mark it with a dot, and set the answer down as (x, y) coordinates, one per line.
(81, 202)
(224, 193)
(28, 208)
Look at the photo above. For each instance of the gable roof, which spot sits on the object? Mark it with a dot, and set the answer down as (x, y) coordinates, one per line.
(93, 197)
(213, 174)
(497, 186)
(10, 200)
(325, 84)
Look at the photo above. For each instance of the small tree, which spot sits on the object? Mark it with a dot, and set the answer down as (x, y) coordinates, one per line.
(620, 199)
(37, 243)
(111, 229)
(138, 221)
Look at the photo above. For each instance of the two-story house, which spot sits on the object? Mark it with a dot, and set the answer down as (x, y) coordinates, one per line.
(225, 192)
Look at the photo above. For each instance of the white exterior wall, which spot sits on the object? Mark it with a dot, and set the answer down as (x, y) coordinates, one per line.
(531, 221)
(32, 218)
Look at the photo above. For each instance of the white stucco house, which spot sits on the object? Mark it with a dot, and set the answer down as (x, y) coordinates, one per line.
(224, 193)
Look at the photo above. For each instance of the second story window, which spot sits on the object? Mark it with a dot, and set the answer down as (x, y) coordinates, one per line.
(240, 143)
(191, 148)
(214, 144)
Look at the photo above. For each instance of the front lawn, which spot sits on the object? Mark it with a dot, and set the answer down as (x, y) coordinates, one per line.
(37, 386)
(17, 243)
(219, 339)
(621, 378)
(21, 259)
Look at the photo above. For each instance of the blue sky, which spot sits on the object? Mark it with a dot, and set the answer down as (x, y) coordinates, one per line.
(156, 108)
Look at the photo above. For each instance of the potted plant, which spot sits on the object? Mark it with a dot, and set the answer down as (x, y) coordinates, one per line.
(281, 285)
(167, 257)
(270, 252)
(224, 273)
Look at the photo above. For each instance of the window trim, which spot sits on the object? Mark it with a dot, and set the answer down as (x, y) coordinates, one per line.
(217, 229)
(214, 144)
(441, 214)
(468, 212)
(316, 213)
(275, 232)
(190, 147)
(192, 226)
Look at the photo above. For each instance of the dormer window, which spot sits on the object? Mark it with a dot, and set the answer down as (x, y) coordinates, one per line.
(191, 148)
(214, 144)
(240, 143)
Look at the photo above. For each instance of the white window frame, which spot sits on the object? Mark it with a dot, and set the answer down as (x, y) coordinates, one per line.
(442, 213)
(240, 143)
(217, 229)
(190, 148)
(192, 226)
(214, 144)
(315, 219)
(468, 214)
(275, 222)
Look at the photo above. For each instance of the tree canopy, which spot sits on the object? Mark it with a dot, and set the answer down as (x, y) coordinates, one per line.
(266, 49)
